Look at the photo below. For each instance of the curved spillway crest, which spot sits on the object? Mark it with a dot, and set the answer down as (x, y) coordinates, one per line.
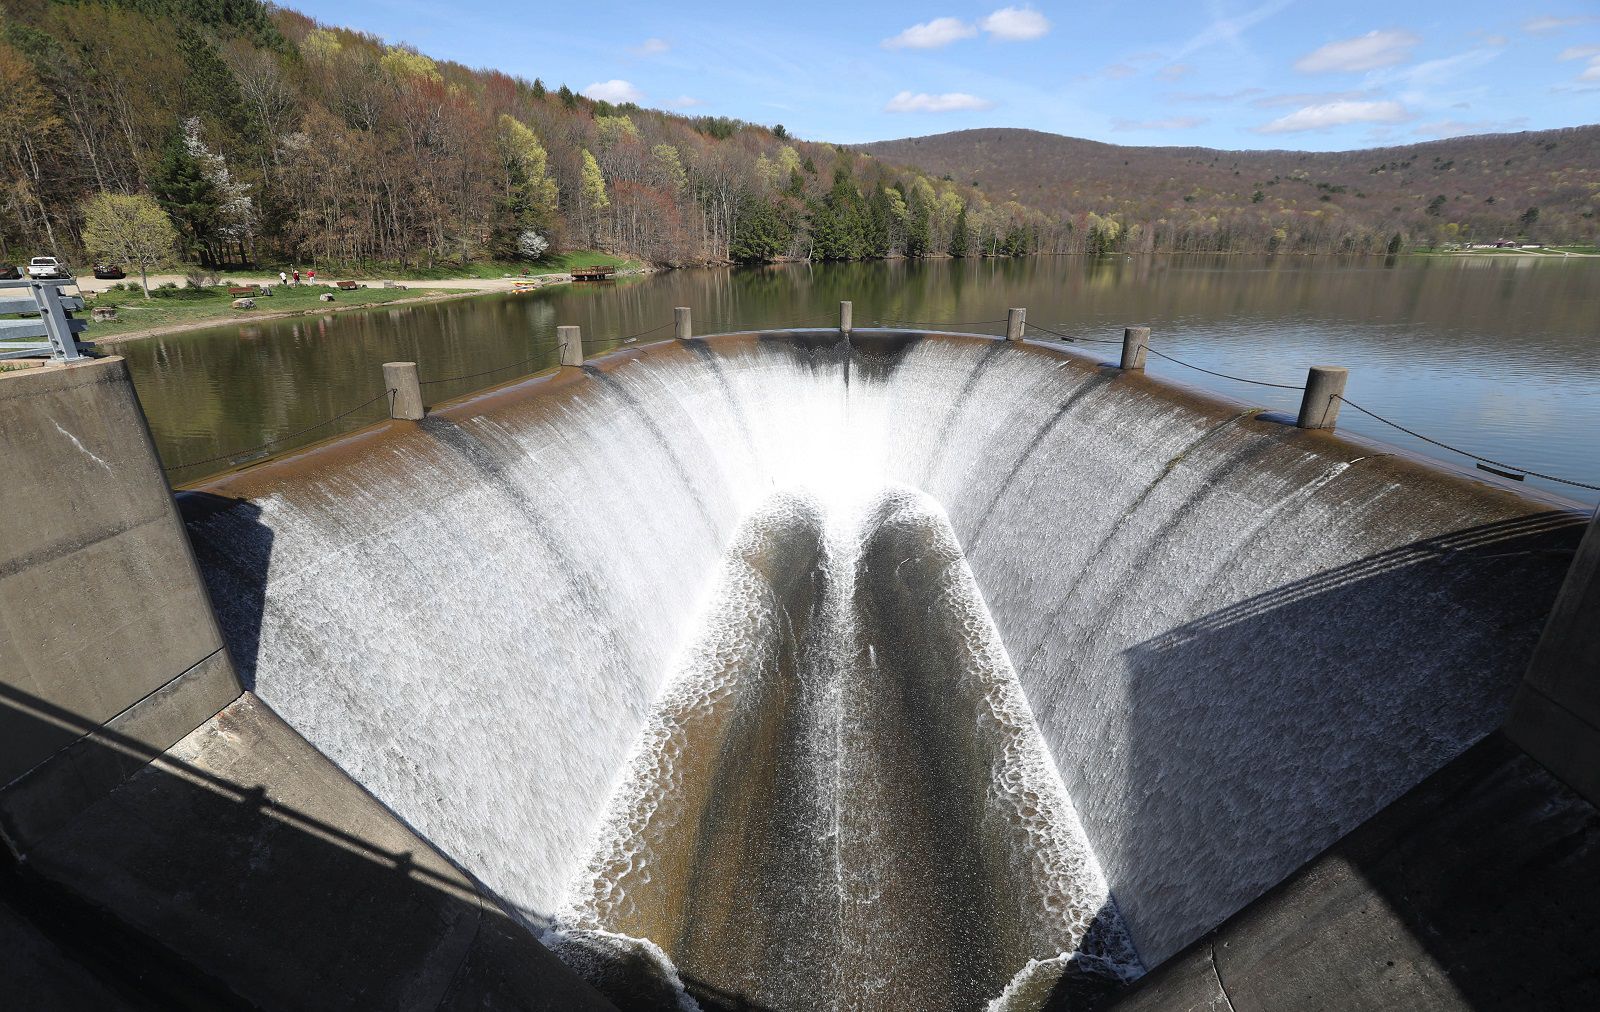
(841, 800)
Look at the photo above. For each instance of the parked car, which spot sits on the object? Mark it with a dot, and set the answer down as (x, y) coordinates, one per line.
(9, 272)
(109, 272)
(47, 267)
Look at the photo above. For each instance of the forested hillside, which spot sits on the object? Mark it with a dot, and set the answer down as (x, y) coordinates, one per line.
(1542, 186)
(265, 136)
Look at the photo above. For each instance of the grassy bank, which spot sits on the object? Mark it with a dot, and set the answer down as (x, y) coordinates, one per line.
(1559, 252)
(556, 263)
(185, 307)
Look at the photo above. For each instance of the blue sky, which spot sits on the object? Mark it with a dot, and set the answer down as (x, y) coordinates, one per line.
(1267, 74)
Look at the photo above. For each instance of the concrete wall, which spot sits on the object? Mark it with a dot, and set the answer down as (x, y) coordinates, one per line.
(1189, 592)
(1556, 714)
(104, 621)
(1473, 891)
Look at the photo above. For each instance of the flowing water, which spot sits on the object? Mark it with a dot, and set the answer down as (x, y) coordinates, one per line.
(1500, 357)
(903, 674)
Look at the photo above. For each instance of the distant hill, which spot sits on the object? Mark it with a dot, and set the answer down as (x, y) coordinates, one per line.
(1479, 188)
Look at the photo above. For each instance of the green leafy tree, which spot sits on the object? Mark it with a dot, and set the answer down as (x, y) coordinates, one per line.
(1527, 220)
(592, 188)
(129, 230)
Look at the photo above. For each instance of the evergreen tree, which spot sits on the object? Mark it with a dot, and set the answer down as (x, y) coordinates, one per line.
(960, 238)
(880, 223)
(189, 197)
(919, 233)
(762, 232)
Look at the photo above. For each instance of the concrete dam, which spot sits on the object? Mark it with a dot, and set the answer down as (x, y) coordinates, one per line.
(799, 670)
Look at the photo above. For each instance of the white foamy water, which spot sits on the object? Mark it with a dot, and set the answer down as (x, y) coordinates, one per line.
(841, 800)
(1233, 644)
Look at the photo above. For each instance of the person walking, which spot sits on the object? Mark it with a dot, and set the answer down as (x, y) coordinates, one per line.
(311, 277)
(283, 279)
(297, 277)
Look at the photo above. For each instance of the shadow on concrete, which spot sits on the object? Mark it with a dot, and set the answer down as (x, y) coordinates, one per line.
(1479, 889)
(1280, 721)
(237, 578)
(242, 869)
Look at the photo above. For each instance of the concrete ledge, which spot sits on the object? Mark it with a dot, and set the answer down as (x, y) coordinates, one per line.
(101, 603)
(1564, 743)
(52, 793)
(255, 860)
(1476, 890)
(1556, 714)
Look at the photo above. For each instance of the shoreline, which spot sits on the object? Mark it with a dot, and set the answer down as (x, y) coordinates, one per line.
(224, 321)
(454, 288)
(467, 288)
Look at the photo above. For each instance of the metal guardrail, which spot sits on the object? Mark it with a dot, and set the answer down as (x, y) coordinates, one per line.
(53, 320)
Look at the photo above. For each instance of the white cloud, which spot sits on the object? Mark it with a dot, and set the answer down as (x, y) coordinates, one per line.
(931, 34)
(613, 91)
(685, 102)
(1460, 128)
(1364, 52)
(1545, 25)
(1579, 52)
(1173, 71)
(1332, 114)
(1016, 24)
(1172, 123)
(651, 47)
(1214, 96)
(1306, 98)
(954, 101)
(1230, 30)
(1592, 72)
(1117, 71)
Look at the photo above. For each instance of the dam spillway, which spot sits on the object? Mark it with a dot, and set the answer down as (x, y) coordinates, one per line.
(1100, 662)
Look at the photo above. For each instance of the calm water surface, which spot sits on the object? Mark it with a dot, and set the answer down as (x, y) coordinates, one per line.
(1500, 357)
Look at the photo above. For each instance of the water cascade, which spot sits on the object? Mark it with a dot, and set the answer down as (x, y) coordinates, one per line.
(887, 674)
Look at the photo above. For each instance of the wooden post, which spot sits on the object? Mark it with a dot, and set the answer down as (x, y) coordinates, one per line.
(846, 314)
(1135, 346)
(1319, 408)
(683, 329)
(405, 392)
(570, 340)
(1016, 320)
